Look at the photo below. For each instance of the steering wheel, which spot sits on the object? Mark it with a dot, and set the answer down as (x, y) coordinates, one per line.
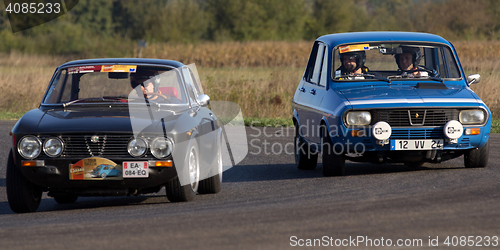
(156, 95)
(432, 72)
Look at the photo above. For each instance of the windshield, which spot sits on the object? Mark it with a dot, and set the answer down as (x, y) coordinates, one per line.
(394, 61)
(117, 84)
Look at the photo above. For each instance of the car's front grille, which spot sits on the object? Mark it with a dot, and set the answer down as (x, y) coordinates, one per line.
(96, 145)
(416, 117)
(417, 133)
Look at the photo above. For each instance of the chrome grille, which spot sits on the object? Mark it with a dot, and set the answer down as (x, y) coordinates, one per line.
(104, 146)
(416, 117)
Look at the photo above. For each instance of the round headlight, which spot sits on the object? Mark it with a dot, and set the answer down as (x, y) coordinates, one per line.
(358, 118)
(29, 147)
(53, 147)
(473, 116)
(161, 147)
(137, 147)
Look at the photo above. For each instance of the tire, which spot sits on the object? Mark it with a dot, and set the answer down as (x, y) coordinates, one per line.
(477, 157)
(333, 164)
(176, 192)
(304, 158)
(66, 199)
(213, 184)
(23, 196)
(103, 175)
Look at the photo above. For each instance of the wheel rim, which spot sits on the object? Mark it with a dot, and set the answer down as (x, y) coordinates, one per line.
(194, 172)
(219, 162)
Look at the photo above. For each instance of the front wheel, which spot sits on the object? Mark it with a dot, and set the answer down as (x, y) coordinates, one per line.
(176, 192)
(23, 195)
(477, 157)
(213, 184)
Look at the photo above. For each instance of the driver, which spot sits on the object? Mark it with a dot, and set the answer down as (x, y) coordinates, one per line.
(409, 60)
(149, 81)
(352, 63)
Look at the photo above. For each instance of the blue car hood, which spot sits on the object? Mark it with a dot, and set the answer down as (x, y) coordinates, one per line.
(407, 95)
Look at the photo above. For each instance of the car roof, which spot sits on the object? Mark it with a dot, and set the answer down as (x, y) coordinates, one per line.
(381, 36)
(133, 61)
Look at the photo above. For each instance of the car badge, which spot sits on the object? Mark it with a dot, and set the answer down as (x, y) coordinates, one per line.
(416, 116)
(94, 139)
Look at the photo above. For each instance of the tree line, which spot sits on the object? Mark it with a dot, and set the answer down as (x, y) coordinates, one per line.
(113, 27)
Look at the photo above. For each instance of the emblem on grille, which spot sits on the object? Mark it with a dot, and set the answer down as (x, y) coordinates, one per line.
(94, 139)
(416, 119)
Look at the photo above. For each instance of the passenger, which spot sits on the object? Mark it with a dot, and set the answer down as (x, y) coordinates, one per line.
(352, 63)
(409, 60)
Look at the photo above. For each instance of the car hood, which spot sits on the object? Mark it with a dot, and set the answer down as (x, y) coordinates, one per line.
(91, 120)
(408, 95)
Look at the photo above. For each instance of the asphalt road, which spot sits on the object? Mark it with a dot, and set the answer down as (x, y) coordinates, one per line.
(266, 203)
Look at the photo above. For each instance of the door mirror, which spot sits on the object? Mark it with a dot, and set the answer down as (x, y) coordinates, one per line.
(473, 79)
(204, 100)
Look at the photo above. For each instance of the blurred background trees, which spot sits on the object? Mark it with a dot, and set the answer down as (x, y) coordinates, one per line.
(99, 28)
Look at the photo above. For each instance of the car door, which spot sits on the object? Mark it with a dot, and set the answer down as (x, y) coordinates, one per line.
(203, 116)
(312, 89)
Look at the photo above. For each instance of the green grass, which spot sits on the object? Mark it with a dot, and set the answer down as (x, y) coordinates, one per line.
(10, 115)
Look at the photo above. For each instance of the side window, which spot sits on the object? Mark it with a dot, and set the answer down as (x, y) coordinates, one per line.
(324, 70)
(317, 64)
(191, 90)
(452, 64)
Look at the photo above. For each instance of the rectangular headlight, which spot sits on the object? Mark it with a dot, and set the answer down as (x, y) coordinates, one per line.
(472, 116)
(358, 118)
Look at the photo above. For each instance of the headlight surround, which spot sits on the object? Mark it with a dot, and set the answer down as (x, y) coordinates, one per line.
(472, 116)
(53, 147)
(161, 147)
(359, 118)
(29, 147)
(137, 147)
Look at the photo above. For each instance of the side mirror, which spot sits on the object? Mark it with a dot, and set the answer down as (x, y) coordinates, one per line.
(204, 100)
(475, 78)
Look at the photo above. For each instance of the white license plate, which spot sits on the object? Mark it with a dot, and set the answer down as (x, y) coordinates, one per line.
(135, 169)
(424, 144)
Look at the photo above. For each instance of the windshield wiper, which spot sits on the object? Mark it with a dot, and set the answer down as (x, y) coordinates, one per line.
(102, 99)
(373, 76)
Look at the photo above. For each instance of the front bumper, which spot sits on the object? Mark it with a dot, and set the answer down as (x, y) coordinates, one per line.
(55, 174)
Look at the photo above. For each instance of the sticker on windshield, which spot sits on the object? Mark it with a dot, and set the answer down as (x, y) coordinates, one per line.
(119, 68)
(355, 47)
(84, 69)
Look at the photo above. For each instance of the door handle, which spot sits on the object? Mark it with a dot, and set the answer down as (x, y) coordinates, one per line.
(302, 89)
(312, 91)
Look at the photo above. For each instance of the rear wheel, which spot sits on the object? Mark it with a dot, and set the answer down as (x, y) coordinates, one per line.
(304, 158)
(176, 192)
(23, 195)
(478, 157)
(333, 163)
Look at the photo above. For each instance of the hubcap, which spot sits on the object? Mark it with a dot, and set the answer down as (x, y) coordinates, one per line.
(194, 173)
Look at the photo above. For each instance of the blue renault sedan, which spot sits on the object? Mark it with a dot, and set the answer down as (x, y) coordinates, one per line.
(379, 97)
